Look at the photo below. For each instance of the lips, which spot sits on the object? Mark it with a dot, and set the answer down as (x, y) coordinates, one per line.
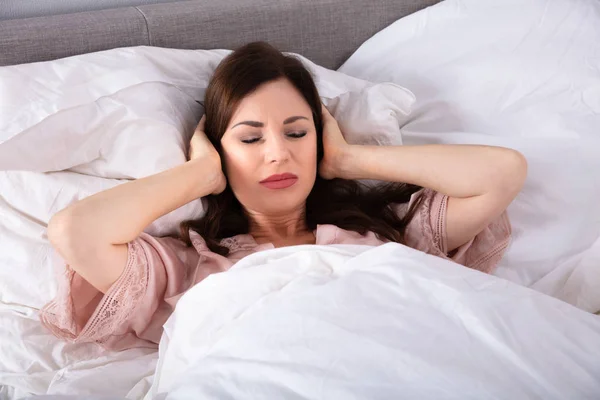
(279, 181)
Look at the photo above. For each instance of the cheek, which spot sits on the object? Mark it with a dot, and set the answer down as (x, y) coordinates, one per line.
(238, 165)
(310, 154)
(314, 151)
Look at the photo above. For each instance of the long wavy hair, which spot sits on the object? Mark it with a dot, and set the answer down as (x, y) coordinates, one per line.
(347, 204)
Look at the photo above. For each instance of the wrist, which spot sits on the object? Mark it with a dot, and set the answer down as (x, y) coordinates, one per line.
(207, 175)
(349, 163)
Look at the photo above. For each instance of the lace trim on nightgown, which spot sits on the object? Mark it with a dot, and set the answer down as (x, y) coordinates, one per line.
(122, 298)
(485, 263)
(52, 315)
(233, 244)
(438, 237)
(488, 261)
(116, 306)
(426, 230)
(492, 258)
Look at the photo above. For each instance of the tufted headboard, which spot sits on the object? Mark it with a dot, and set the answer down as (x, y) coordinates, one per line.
(325, 31)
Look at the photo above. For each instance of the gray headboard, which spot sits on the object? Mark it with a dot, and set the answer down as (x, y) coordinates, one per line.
(325, 31)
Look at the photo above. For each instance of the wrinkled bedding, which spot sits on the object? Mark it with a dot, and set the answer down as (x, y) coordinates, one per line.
(72, 127)
(344, 322)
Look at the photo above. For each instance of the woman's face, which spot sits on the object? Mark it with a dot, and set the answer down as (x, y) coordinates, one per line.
(270, 149)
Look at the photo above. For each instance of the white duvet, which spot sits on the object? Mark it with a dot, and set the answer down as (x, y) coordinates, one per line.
(386, 323)
(360, 322)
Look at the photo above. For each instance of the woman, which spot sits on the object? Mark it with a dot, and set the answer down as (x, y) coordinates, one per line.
(276, 171)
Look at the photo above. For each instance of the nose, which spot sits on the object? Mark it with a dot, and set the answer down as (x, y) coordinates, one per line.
(276, 149)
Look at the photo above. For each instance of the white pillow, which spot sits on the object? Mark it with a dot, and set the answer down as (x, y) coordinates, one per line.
(372, 115)
(129, 112)
(523, 74)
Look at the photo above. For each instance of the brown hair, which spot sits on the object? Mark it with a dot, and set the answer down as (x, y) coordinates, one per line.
(347, 204)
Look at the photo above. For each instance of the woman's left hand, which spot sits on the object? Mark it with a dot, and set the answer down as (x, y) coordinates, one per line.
(336, 149)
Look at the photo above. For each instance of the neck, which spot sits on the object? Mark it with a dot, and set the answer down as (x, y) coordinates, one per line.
(278, 228)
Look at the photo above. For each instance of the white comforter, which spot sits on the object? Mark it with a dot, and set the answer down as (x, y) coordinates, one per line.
(359, 322)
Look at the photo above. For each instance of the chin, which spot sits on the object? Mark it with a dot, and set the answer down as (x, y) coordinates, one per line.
(281, 204)
(283, 207)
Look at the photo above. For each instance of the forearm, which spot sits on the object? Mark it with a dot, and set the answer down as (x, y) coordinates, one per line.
(454, 170)
(120, 214)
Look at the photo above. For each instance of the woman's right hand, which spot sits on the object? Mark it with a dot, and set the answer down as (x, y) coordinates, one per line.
(202, 149)
(92, 234)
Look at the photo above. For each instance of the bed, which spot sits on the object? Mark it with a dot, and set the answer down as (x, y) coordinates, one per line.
(82, 108)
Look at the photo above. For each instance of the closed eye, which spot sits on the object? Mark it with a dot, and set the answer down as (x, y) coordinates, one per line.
(296, 135)
(293, 135)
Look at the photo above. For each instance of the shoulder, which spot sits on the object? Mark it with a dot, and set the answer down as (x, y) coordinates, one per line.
(424, 229)
(165, 250)
(428, 205)
(427, 232)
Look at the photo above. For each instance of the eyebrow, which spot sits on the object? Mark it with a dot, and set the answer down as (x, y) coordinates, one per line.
(257, 124)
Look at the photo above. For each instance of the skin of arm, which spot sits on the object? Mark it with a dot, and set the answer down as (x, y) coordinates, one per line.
(91, 235)
(481, 181)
